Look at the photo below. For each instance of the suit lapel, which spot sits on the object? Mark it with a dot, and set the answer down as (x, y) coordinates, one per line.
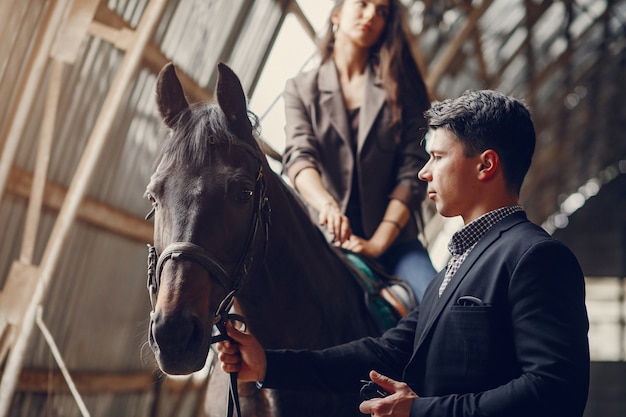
(373, 100)
(433, 310)
(331, 99)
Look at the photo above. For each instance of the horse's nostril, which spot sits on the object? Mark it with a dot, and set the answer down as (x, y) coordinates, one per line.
(176, 332)
(197, 334)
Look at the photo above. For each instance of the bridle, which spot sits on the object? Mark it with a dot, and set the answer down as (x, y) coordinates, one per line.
(258, 223)
(257, 236)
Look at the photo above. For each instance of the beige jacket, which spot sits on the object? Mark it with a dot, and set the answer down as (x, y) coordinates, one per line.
(318, 136)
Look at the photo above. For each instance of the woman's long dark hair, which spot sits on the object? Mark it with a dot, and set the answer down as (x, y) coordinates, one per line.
(392, 58)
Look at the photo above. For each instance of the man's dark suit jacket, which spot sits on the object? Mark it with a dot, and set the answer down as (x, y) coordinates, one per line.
(524, 352)
(318, 136)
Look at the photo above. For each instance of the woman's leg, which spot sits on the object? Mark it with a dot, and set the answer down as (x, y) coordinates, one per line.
(411, 262)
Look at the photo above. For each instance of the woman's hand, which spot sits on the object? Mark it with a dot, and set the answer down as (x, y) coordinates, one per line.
(396, 216)
(308, 183)
(244, 354)
(397, 404)
(362, 246)
(336, 222)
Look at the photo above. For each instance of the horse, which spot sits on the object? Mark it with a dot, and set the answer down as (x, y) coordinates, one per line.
(226, 227)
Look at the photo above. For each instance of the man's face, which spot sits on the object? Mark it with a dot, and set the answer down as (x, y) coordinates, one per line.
(451, 176)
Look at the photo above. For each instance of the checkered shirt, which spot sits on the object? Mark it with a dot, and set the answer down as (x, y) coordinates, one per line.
(464, 240)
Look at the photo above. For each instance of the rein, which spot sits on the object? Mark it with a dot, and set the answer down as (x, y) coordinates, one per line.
(231, 284)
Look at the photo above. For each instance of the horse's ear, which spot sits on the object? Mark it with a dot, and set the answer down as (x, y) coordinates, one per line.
(232, 99)
(170, 95)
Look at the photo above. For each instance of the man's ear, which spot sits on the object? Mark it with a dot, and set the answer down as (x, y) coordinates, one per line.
(489, 164)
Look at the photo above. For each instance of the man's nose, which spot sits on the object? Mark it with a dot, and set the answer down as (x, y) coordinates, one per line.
(423, 174)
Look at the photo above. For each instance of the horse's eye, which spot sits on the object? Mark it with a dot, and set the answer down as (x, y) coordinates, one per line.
(245, 195)
(154, 203)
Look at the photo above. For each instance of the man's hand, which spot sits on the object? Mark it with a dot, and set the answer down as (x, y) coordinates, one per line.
(244, 355)
(398, 404)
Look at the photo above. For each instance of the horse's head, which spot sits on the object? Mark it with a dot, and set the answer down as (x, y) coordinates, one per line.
(208, 201)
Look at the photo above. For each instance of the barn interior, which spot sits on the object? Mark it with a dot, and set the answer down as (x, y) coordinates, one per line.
(80, 130)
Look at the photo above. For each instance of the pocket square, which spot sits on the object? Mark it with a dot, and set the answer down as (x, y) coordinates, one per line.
(469, 301)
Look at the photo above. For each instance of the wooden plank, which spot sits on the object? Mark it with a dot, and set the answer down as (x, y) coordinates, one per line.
(72, 32)
(533, 13)
(33, 213)
(121, 38)
(126, 73)
(154, 60)
(20, 283)
(90, 211)
(295, 8)
(443, 61)
(45, 381)
(7, 333)
(480, 56)
(21, 112)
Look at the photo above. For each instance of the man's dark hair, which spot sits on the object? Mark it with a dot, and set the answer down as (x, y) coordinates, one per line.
(487, 119)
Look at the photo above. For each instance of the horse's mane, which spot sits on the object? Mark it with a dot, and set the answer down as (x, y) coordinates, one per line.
(197, 128)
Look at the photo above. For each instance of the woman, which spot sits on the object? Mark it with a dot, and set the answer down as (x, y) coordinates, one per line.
(353, 130)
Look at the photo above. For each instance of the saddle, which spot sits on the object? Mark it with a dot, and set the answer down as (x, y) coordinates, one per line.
(388, 297)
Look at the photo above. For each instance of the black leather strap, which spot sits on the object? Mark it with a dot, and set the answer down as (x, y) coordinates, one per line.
(233, 393)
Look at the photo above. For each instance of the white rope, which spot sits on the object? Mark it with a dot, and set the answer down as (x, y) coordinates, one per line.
(59, 360)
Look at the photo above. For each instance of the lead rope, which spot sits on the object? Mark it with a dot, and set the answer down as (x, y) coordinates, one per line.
(221, 317)
(233, 393)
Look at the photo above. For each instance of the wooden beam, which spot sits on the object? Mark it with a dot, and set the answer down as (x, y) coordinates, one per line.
(42, 381)
(549, 70)
(20, 282)
(109, 25)
(91, 211)
(443, 61)
(20, 113)
(109, 17)
(154, 60)
(70, 36)
(533, 13)
(284, 6)
(7, 333)
(295, 8)
(480, 56)
(552, 150)
(46, 138)
(120, 38)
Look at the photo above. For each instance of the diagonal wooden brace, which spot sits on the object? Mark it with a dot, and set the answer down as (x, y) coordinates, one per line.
(14, 299)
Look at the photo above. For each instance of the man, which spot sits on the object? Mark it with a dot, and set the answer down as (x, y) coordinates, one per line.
(502, 331)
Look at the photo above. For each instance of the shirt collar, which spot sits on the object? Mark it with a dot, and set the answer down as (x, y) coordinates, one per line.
(470, 234)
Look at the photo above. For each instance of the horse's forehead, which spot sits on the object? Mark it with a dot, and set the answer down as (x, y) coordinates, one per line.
(222, 169)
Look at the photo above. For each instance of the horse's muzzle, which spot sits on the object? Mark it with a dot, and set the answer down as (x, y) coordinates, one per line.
(178, 341)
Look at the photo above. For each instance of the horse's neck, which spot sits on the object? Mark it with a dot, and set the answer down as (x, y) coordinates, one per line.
(302, 283)
(294, 238)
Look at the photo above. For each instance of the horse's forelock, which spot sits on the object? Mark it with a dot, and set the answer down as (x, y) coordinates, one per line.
(201, 126)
